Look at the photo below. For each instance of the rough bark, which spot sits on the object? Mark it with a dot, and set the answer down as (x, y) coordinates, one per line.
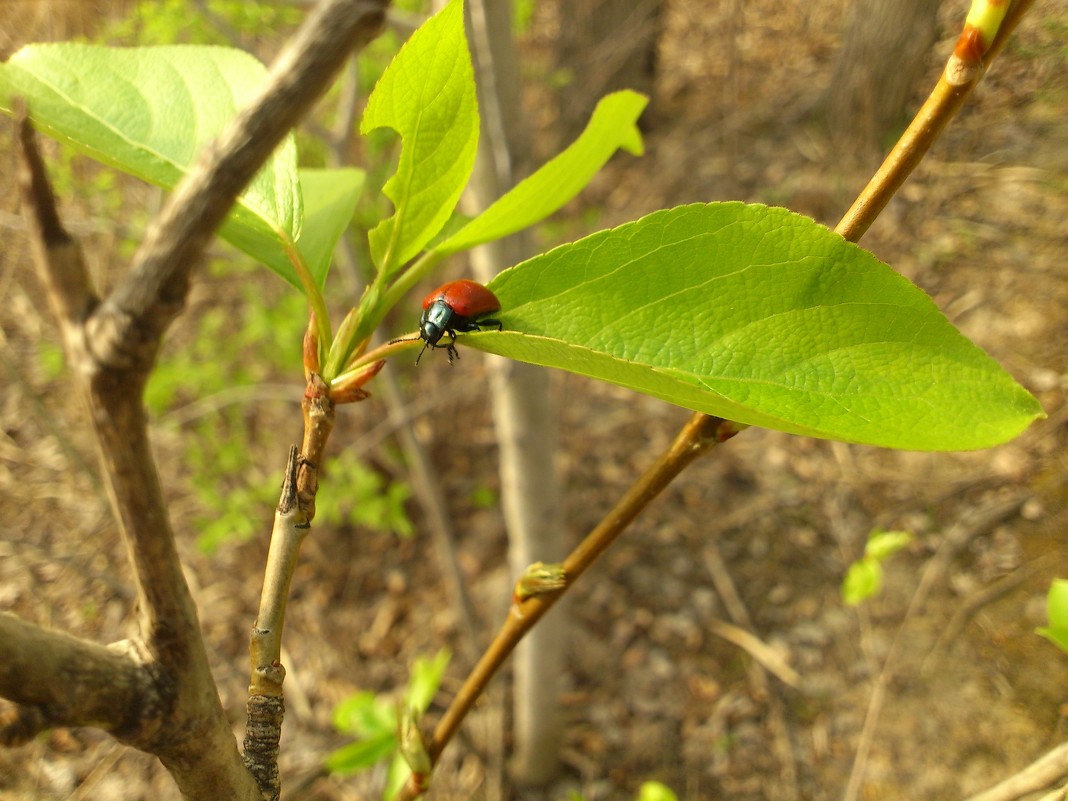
(157, 693)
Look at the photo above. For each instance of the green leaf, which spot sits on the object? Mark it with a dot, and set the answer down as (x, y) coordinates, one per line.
(1057, 613)
(426, 678)
(365, 714)
(884, 544)
(149, 111)
(361, 754)
(862, 581)
(427, 95)
(330, 198)
(655, 791)
(760, 316)
(612, 126)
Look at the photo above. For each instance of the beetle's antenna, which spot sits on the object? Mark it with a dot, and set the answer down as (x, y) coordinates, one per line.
(426, 344)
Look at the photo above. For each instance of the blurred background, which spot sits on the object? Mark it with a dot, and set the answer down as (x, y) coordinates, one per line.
(786, 103)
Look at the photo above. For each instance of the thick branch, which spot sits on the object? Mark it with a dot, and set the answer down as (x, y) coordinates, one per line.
(73, 682)
(113, 352)
(181, 719)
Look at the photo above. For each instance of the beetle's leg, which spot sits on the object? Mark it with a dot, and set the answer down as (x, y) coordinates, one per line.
(451, 347)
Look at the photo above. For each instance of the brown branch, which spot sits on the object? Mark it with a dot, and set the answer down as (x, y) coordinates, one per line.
(181, 719)
(52, 247)
(940, 107)
(697, 437)
(113, 351)
(68, 681)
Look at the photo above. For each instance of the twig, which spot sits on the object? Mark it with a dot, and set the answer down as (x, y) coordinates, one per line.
(737, 611)
(1040, 774)
(758, 649)
(970, 525)
(1060, 794)
(973, 603)
(698, 436)
(940, 107)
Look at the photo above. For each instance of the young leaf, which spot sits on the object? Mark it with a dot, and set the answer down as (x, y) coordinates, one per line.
(361, 754)
(884, 544)
(655, 791)
(1057, 614)
(330, 198)
(862, 581)
(425, 679)
(148, 111)
(427, 95)
(763, 317)
(612, 126)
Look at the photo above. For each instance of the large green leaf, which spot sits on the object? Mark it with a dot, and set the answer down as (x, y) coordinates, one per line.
(427, 95)
(148, 111)
(763, 317)
(612, 126)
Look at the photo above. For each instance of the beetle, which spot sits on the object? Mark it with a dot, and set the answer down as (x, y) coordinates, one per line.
(458, 306)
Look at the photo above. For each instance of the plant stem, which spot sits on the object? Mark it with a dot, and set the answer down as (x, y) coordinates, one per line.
(698, 436)
(296, 508)
(941, 106)
(315, 297)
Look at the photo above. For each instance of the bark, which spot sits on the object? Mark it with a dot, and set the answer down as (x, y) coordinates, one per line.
(72, 682)
(158, 695)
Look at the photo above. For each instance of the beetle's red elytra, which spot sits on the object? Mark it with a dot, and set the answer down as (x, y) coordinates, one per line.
(458, 306)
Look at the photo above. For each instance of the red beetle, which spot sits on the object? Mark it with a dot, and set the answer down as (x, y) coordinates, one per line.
(456, 306)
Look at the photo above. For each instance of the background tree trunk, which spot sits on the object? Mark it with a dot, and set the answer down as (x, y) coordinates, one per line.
(885, 51)
(604, 45)
(522, 410)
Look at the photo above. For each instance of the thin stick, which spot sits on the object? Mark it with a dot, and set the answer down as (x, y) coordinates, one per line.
(971, 525)
(1040, 774)
(764, 654)
(941, 106)
(698, 436)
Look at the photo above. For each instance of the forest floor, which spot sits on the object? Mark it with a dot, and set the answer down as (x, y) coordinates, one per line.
(765, 526)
